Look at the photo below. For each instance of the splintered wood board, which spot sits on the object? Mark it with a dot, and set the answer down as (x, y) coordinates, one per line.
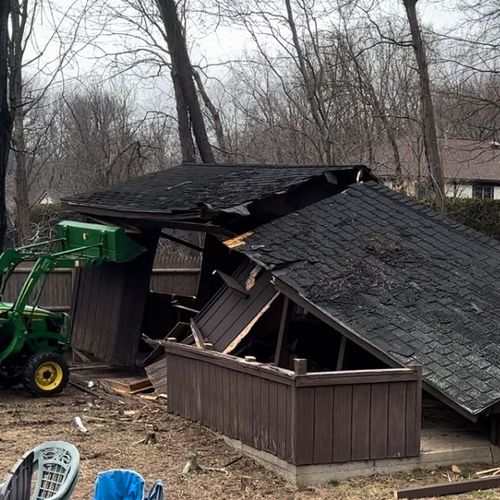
(128, 385)
(157, 373)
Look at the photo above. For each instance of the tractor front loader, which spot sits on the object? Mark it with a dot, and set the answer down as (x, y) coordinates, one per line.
(33, 339)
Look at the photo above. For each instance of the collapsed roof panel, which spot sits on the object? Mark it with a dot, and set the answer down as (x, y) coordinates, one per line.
(232, 312)
(415, 285)
(191, 188)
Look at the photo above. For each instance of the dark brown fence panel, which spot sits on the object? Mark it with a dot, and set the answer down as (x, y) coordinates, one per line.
(172, 275)
(316, 418)
(358, 421)
(56, 293)
(233, 399)
(175, 281)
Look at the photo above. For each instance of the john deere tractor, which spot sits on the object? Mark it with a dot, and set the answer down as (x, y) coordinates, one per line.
(32, 339)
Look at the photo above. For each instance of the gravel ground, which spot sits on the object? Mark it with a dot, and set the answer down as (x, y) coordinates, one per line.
(112, 441)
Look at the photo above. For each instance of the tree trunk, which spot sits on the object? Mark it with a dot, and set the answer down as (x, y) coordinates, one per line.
(185, 90)
(214, 113)
(5, 116)
(427, 108)
(18, 17)
(183, 123)
(22, 190)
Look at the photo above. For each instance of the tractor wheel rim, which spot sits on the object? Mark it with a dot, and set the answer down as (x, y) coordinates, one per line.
(48, 376)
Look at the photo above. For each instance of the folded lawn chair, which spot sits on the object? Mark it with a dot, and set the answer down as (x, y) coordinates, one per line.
(56, 466)
(122, 484)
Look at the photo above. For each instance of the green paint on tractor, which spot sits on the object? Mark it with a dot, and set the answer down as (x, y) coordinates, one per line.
(33, 339)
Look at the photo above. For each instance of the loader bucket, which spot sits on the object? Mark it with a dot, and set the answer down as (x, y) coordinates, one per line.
(112, 244)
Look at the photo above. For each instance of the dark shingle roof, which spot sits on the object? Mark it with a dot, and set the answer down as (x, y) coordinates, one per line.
(416, 285)
(189, 187)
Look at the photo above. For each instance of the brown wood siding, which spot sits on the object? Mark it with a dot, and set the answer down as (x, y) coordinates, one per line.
(317, 418)
(57, 292)
(109, 306)
(230, 311)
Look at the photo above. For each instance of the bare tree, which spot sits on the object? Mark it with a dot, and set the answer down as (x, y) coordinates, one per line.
(5, 115)
(19, 19)
(25, 76)
(188, 106)
(427, 107)
(155, 38)
(101, 145)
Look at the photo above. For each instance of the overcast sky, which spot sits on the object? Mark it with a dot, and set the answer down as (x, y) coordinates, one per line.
(208, 46)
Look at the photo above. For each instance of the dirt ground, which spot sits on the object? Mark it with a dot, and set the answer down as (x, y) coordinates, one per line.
(114, 431)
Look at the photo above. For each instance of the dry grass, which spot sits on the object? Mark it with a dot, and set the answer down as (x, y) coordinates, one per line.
(112, 443)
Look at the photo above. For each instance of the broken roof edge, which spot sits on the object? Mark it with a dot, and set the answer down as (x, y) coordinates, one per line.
(203, 209)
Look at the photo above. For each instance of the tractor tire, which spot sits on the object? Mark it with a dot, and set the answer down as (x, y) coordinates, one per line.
(46, 374)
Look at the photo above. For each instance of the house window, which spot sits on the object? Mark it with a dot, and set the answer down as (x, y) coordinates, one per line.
(482, 191)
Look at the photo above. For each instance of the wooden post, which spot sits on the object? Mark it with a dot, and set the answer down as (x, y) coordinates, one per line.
(300, 366)
(494, 428)
(278, 355)
(340, 359)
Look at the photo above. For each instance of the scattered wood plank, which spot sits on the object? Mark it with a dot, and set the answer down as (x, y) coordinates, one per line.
(98, 394)
(237, 240)
(129, 385)
(453, 488)
(80, 426)
(83, 366)
(489, 472)
(157, 374)
(198, 337)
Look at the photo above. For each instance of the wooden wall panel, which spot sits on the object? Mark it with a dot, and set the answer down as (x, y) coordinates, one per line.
(379, 417)
(171, 275)
(396, 434)
(323, 432)
(342, 416)
(109, 306)
(361, 422)
(304, 419)
(230, 311)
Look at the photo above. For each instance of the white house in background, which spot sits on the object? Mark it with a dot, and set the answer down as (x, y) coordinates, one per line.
(471, 168)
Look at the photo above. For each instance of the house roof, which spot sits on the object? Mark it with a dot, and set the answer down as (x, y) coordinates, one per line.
(462, 159)
(195, 187)
(416, 286)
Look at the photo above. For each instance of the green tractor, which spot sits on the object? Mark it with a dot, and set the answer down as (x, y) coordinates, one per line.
(32, 339)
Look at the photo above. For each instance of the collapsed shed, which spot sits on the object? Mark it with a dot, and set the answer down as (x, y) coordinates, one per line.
(219, 200)
(329, 267)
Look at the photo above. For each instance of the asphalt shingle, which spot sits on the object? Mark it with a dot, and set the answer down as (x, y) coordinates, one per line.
(416, 285)
(192, 187)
